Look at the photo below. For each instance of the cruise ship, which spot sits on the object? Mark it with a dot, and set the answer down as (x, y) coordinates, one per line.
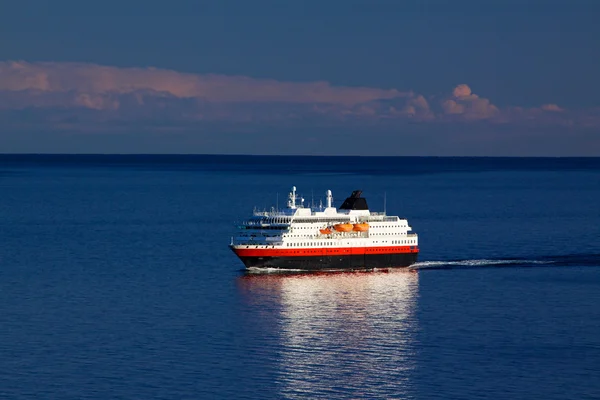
(301, 237)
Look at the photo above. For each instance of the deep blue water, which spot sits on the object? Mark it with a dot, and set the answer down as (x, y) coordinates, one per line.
(116, 281)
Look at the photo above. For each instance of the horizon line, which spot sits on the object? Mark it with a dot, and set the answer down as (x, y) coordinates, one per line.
(282, 155)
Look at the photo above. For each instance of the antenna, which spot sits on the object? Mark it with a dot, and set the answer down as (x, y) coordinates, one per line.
(277, 202)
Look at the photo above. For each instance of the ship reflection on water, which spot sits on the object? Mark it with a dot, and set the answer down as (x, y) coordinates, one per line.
(349, 334)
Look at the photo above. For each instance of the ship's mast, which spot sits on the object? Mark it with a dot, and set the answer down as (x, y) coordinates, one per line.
(292, 198)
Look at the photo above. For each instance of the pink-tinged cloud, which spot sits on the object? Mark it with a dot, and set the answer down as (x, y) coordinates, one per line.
(78, 94)
(98, 80)
(468, 105)
(462, 91)
(452, 107)
(552, 108)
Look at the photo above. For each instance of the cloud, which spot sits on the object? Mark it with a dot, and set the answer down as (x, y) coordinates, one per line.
(551, 108)
(462, 91)
(89, 96)
(452, 107)
(468, 105)
(96, 79)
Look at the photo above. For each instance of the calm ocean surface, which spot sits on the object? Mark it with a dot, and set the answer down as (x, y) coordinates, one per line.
(116, 281)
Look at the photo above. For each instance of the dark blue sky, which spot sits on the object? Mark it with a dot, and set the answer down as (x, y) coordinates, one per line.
(516, 53)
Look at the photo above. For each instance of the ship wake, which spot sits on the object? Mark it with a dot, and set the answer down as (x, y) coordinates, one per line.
(558, 261)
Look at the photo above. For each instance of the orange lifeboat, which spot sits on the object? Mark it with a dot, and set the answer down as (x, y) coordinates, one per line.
(343, 227)
(325, 231)
(361, 227)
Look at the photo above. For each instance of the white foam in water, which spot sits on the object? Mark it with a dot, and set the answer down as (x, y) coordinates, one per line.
(269, 270)
(472, 263)
(419, 265)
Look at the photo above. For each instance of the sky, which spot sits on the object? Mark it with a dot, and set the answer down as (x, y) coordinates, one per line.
(424, 78)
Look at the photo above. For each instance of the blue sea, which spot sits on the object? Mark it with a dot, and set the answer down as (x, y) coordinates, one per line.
(116, 281)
